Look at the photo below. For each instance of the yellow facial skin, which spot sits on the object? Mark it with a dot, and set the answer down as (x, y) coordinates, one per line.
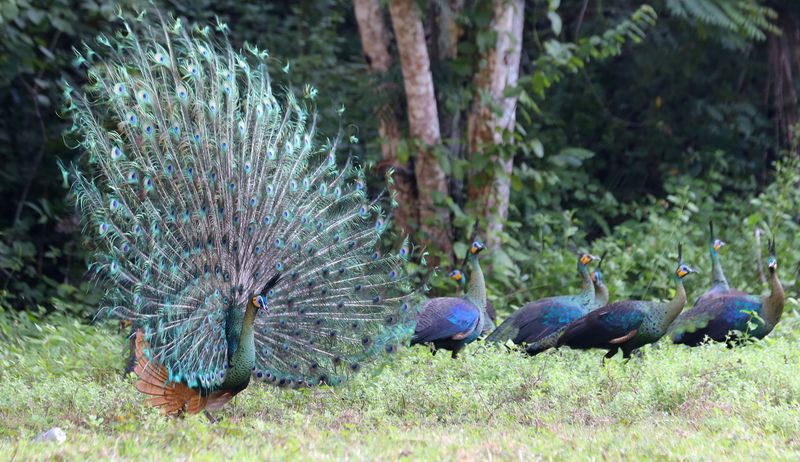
(255, 302)
(457, 276)
(718, 245)
(587, 258)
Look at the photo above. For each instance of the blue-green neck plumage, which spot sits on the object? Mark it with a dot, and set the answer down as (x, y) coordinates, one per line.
(774, 302)
(241, 346)
(600, 292)
(674, 307)
(717, 276)
(476, 286)
(587, 286)
(476, 289)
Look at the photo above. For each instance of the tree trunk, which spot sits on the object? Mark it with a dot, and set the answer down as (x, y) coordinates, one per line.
(423, 122)
(781, 57)
(449, 30)
(375, 42)
(492, 116)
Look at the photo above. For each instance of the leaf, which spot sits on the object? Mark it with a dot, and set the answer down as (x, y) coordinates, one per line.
(555, 21)
(538, 148)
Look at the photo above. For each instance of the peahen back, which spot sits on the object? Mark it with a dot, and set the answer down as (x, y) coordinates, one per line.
(202, 186)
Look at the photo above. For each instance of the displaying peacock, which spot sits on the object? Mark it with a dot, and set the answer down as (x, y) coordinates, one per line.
(629, 324)
(451, 323)
(233, 242)
(537, 320)
(726, 316)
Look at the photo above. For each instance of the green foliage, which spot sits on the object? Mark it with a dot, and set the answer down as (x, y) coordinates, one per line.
(672, 403)
(748, 18)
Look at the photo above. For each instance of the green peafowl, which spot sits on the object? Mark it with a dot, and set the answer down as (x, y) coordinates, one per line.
(627, 324)
(539, 319)
(724, 317)
(451, 323)
(719, 285)
(234, 243)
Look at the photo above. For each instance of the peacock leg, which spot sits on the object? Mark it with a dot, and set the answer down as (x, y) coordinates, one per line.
(210, 417)
(455, 351)
(610, 355)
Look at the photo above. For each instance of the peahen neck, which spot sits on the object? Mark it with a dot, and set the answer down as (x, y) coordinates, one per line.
(717, 276)
(587, 286)
(773, 304)
(243, 359)
(600, 295)
(476, 288)
(674, 307)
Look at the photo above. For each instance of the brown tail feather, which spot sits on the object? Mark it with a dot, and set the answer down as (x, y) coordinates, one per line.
(170, 398)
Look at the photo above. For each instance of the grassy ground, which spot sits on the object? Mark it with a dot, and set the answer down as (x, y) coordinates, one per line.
(673, 403)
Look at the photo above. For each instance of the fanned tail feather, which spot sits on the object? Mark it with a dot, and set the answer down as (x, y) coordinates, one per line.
(201, 187)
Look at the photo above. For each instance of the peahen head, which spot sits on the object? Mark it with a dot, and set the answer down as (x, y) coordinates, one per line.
(683, 269)
(772, 261)
(597, 277)
(716, 244)
(476, 247)
(597, 274)
(457, 276)
(585, 258)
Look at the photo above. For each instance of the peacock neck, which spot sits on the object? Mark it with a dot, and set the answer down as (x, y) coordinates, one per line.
(717, 276)
(675, 306)
(476, 288)
(243, 359)
(773, 304)
(587, 286)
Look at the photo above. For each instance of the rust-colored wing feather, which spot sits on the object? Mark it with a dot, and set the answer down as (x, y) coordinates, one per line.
(170, 398)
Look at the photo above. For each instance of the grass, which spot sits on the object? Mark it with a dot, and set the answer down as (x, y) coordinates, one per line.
(673, 403)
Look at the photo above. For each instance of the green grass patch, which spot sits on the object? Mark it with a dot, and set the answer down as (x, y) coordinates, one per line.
(672, 403)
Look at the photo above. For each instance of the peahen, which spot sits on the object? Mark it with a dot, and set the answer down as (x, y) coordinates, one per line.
(233, 242)
(726, 316)
(451, 323)
(537, 320)
(629, 324)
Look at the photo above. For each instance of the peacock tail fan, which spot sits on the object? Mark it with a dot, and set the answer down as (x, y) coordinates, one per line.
(201, 186)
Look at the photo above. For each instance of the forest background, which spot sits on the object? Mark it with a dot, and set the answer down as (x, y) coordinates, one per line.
(606, 125)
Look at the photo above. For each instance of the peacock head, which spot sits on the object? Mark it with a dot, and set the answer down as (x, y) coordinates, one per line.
(260, 302)
(772, 261)
(476, 247)
(683, 269)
